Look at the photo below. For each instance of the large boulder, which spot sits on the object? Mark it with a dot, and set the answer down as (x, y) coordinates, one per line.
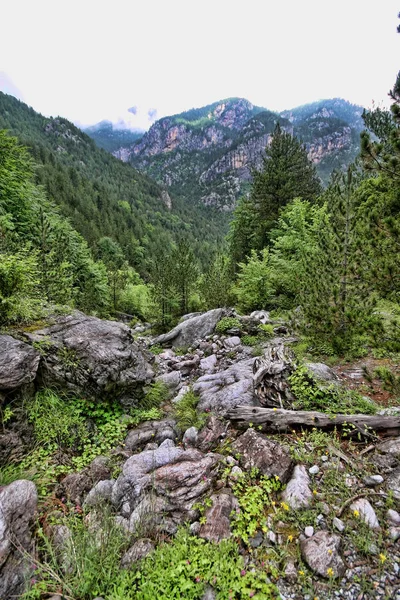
(191, 329)
(18, 503)
(167, 482)
(219, 392)
(18, 363)
(217, 525)
(321, 553)
(93, 357)
(255, 450)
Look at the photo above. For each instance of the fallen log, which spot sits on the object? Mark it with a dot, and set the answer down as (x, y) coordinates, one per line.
(275, 419)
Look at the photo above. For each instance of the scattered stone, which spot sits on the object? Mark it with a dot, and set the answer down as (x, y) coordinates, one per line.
(366, 512)
(256, 450)
(151, 431)
(235, 474)
(209, 593)
(309, 531)
(18, 503)
(321, 553)
(324, 458)
(271, 537)
(171, 380)
(18, 363)
(393, 517)
(99, 494)
(297, 493)
(184, 390)
(139, 550)
(217, 525)
(373, 480)
(338, 524)
(262, 316)
(232, 342)
(190, 437)
(256, 540)
(291, 572)
(322, 371)
(211, 434)
(394, 533)
(195, 528)
(209, 363)
(314, 470)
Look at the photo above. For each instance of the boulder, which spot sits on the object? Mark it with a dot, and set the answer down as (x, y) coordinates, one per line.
(321, 553)
(256, 450)
(219, 392)
(211, 434)
(100, 493)
(171, 380)
(191, 329)
(139, 550)
(93, 357)
(217, 526)
(297, 493)
(18, 503)
(18, 363)
(209, 363)
(390, 447)
(322, 372)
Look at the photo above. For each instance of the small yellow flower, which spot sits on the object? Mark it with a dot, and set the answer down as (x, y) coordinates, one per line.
(330, 551)
(273, 502)
(382, 558)
(275, 409)
(290, 538)
(265, 529)
(356, 513)
(329, 572)
(315, 492)
(301, 572)
(285, 506)
(277, 477)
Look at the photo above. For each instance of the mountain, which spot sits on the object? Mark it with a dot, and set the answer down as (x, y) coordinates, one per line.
(102, 196)
(111, 138)
(207, 154)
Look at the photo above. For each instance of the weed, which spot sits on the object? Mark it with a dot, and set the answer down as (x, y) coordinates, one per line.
(186, 414)
(156, 394)
(156, 349)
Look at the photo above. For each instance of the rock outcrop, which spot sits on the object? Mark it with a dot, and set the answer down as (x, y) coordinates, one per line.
(186, 333)
(19, 363)
(18, 503)
(93, 357)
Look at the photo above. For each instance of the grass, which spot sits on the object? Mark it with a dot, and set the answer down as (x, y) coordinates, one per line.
(186, 414)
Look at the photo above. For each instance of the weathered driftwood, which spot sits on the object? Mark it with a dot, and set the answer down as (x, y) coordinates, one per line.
(270, 373)
(274, 419)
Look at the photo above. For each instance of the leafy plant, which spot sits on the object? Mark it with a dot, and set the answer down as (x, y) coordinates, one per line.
(156, 394)
(227, 323)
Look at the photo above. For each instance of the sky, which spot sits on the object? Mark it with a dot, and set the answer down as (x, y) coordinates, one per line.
(134, 61)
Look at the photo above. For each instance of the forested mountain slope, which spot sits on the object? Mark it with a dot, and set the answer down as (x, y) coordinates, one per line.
(103, 196)
(207, 154)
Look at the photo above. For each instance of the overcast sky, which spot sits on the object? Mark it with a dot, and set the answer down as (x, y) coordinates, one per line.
(92, 60)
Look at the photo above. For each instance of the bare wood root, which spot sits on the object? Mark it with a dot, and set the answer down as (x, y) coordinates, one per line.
(274, 419)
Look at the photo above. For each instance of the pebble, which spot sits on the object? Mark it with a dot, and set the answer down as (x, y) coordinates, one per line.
(393, 517)
(257, 540)
(338, 523)
(373, 480)
(309, 531)
(324, 458)
(271, 537)
(314, 470)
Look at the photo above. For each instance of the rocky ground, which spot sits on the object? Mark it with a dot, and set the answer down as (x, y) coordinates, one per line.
(317, 511)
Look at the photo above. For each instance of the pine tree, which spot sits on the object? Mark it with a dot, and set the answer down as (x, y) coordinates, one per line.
(216, 283)
(336, 294)
(287, 173)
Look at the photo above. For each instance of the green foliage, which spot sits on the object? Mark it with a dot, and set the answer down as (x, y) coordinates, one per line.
(313, 395)
(216, 284)
(156, 394)
(391, 381)
(254, 496)
(183, 568)
(19, 295)
(186, 414)
(254, 288)
(135, 299)
(227, 323)
(250, 340)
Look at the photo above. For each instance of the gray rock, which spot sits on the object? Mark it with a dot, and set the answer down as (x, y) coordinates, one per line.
(99, 494)
(290, 572)
(190, 437)
(172, 380)
(195, 528)
(262, 316)
(209, 363)
(297, 493)
(217, 525)
(211, 434)
(390, 447)
(257, 539)
(393, 483)
(184, 390)
(271, 537)
(338, 524)
(322, 372)
(373, 480)
(314, 470)
(309, 531)
(235, 474)
(321, 553)
(151, 431)
(94, 357)
(367, 513)
(394, 533)
(219, 392)
(232, 342)
(209, 593)
(256, 450)
(18, 363)
(393, 517)
(139, 550)
(191, 329)
(18, 503)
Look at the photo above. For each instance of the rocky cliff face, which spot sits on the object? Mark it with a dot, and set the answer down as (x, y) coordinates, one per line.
(208, 154)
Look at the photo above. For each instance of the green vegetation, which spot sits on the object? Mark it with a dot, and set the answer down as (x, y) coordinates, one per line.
(186, 414)
(227, 323)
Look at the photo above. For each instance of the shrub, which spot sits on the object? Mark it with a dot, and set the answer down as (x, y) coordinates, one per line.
(227, 323)
(186, 414)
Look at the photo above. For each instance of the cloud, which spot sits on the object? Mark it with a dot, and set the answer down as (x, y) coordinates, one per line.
(133, 110)
(152, 114)
(8, 87)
